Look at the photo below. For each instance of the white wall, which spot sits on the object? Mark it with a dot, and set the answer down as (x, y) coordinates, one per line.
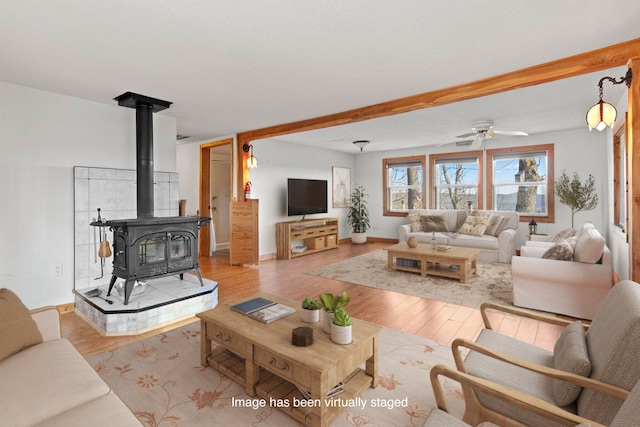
(188, 166)
(278, 161)
(42, 137)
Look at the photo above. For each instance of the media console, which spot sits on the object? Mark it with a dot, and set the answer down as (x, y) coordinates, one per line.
(316, 234)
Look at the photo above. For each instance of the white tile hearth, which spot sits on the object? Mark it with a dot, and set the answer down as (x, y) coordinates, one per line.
(165, 300)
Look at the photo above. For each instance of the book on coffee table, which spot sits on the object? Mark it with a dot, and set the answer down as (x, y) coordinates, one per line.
(252, 305)
(272, 313)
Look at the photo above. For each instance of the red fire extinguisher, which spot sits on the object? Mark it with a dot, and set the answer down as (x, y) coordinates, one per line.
(247, 191)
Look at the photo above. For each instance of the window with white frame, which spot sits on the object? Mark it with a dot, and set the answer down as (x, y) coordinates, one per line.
(521, 180)
(404, 184)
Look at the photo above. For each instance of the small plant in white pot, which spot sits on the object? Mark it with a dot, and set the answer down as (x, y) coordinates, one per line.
(330, 303)
(341, 327)
(310, 311)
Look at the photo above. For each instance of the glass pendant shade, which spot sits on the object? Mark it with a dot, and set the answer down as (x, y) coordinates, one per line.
(601, 115)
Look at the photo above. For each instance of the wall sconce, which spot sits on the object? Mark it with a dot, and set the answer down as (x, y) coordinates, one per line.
(603, 114)
(361, 143)
(252, 162)
(533, 226)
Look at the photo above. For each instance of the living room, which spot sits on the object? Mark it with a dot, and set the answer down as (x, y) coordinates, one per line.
(48, 129)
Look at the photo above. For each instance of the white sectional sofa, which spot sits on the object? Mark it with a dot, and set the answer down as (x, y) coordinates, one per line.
(47, 382)
(575, 285)
(496, 247)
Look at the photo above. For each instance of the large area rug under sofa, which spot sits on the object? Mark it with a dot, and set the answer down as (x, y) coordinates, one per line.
(491, 282)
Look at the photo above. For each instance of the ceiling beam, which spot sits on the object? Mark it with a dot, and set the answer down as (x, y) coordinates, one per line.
(596, 60)
(584, 63)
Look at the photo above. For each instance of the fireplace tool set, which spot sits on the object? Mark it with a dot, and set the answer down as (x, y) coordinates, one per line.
(103, 250)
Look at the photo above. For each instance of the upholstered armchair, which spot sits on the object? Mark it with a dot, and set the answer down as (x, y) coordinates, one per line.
(588, 374)
(572, 280)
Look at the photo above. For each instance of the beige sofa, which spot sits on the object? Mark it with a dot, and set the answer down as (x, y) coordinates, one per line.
(575, 286)
(50, 383)
(495, 248)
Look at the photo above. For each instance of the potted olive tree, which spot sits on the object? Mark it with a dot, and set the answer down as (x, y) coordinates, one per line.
(577, 195)
(358, 215)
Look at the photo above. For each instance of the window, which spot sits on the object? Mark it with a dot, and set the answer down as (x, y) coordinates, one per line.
(403, 185)
(521, 179)
(457, 180)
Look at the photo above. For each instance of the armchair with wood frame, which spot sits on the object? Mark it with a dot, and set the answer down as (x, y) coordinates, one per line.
(588, 375)
(628, 415)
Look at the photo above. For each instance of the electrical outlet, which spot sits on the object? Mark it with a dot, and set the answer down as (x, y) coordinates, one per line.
(57, 270)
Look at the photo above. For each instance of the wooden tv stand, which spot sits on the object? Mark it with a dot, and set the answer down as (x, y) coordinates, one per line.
(316, 234)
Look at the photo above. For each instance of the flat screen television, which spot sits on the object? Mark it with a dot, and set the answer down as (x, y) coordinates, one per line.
(306, 196)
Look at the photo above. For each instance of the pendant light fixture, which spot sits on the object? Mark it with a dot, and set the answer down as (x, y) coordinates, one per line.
(603, 114)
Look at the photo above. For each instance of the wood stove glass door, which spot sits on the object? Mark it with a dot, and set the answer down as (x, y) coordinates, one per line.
(180, 252)
(152, 255)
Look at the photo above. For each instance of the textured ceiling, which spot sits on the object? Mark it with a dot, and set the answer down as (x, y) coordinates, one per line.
(232, 66)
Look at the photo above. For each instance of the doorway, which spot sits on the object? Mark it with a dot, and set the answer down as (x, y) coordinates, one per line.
(215, 195)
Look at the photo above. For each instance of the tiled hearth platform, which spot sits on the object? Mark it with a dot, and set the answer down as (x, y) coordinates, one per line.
(164, 301)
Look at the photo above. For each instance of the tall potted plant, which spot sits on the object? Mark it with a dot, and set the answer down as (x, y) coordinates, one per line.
(358, 215)
(575, 194)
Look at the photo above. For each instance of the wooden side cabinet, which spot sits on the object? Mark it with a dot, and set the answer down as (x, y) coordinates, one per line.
(316, 234)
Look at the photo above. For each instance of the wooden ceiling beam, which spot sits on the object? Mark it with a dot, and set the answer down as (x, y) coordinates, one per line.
(584, 63)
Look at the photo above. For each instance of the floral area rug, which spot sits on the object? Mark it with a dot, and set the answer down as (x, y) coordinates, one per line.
(162, 382)
(492, 281)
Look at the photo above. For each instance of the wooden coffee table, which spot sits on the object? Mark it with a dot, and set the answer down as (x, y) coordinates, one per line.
(458, 263)
(261, 357)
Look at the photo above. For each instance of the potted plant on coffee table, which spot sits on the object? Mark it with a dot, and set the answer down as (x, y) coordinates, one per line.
(341, 327)
(310, 311)
(358, 215)
(330, 303)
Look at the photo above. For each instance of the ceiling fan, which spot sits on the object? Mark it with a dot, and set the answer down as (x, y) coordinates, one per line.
(484, 129)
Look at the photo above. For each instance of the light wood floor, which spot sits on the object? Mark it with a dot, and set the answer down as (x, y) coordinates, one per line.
(432, 319)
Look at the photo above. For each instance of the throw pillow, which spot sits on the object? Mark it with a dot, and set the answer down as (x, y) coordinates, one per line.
(462, 217)
(496, 225)
(563, 234)
(589, 247)
(432, 223)
(475, 225)
(570, 355)
(18, 330)
(414, 221)
(562, 251)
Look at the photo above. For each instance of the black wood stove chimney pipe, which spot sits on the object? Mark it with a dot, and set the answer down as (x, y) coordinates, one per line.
(145, 107)
(144, 160)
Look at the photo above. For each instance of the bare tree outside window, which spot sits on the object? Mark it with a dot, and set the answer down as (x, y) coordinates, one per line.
(456, 183)
(527, 195)
(405, 186)
(457, 196)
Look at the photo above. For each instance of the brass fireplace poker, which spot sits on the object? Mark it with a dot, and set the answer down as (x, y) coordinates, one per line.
(104, 249)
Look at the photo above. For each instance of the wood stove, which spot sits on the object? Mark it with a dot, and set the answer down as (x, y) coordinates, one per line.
(149, 246)
(144, 248)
